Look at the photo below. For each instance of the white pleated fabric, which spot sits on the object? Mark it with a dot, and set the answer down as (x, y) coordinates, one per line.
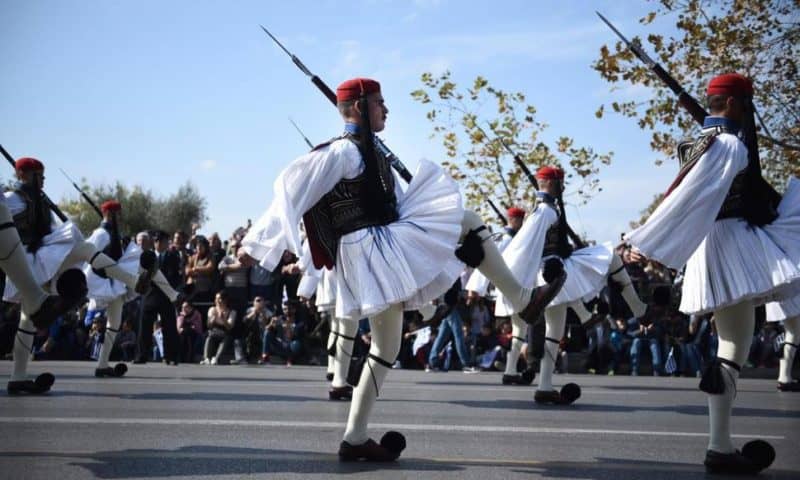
(326, 291)
(587, 273)
(410, 261)
(785, 309)
(104, 290)
(727, 261)
(523, 254)
(307, 286)
(48, 259)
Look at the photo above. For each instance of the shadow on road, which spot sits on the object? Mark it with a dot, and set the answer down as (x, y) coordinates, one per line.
(203, 460)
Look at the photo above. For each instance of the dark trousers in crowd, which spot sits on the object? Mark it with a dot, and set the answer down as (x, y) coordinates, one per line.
(156, 305)
(189, 341)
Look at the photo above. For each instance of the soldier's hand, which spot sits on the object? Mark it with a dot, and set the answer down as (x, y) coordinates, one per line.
(245, 259)
(636, 256)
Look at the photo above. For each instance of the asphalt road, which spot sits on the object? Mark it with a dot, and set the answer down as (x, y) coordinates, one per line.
(232, 422)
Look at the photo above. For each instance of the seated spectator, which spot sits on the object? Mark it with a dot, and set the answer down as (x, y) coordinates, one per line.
(256, 321)
(620, 344)
(285, 338)
(644, 333)
(125, 342)
(221, 319)
(190, 331)
(486, 349)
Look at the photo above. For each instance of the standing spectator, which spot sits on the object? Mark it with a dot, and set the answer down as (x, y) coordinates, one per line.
(451, 326)
(235, 277)
(190, 330)
(645, 332)
(180, 245)
(221, 319)
(260, 281)
(200, 272)
(217, 252)
(155, 304)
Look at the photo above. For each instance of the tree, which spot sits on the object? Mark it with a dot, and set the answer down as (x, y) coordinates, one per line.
(141, 209)
(474, 145)
(758, 38)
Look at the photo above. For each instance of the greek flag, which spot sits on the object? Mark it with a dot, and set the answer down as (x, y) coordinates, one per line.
(671, 366)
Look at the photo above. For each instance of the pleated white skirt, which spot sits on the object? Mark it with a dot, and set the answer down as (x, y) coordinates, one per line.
(410, 261)
(48, 259)
(587, 273)
(737, 262)
(104, 290)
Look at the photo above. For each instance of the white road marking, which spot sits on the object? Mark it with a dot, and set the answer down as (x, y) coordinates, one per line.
(339, 425)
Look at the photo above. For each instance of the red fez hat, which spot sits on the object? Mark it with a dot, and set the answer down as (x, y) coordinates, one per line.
(28, 164)
(515, 212)
(732, 84)
(354, 88)
(550, 173)
(110, 206)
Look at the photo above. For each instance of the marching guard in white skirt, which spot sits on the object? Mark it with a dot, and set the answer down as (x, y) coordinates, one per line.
(106, 293)
(542, 241)
(55, 252)
(41, 307)
(737, 251)
(392, 249)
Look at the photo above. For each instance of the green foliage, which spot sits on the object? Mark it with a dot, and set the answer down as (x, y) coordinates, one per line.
(474, 144)
(758, 38)
(141, 209)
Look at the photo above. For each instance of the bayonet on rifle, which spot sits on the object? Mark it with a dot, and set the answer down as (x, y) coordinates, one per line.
(390, 156)
(83, 194)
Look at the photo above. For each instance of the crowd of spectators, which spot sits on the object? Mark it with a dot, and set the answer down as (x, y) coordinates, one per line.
(248, 315)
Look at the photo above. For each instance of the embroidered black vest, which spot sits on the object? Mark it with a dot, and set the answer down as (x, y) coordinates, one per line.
(341, 211)
(33, 222)
(114, 247)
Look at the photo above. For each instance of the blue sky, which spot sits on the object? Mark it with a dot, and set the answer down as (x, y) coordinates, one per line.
(156, 93)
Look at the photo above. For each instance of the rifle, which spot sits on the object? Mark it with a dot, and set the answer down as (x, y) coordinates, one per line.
(308, 142)
(83, 194)
(699, 113)
(497, 211)
(388, 154)
(49, 203)
(576, 239)
(684, 99)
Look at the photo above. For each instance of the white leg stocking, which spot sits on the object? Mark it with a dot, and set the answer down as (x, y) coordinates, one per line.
(332, 337)
(555, 318)
(23, 344)
(160, 281)
(14, 263)
(518, 329)
(86, 252)
(792, 327)
(494, 267)
(114, 315)
(386, 335)
(620, 275)
(344, 350)
(735, 330)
